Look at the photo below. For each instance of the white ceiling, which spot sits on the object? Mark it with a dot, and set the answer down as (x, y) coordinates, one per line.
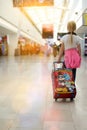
(58, 15)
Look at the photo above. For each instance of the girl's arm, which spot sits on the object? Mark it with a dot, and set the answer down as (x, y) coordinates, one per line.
(61, 51)
(79, 49)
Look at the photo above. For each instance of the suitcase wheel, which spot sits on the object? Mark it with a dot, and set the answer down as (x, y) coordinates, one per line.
(55, 99)
(71, 99)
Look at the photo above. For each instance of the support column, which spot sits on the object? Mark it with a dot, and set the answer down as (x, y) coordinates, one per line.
(84, 4)
(12, 43)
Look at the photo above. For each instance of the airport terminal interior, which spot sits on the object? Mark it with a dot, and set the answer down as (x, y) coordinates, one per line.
(27, 54)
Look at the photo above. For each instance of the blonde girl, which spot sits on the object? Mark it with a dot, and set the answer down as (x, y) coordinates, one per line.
(70, 41)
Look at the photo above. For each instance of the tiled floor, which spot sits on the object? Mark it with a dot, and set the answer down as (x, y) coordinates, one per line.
(26, 96)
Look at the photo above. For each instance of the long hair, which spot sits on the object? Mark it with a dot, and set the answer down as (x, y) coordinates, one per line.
(71, 27)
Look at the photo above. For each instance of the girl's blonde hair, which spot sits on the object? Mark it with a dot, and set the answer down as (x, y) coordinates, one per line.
(71, 27)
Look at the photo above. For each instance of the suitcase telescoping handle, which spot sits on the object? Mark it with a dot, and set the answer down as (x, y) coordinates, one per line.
(57, 65)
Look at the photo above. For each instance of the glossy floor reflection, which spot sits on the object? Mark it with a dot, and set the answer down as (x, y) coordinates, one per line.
(26, 96)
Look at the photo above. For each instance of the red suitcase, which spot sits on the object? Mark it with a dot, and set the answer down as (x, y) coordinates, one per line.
(62, 81)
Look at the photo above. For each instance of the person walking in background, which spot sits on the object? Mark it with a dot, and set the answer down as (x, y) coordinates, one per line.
(71, 48)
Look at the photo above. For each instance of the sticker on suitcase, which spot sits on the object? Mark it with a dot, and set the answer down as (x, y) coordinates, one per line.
(64, 81)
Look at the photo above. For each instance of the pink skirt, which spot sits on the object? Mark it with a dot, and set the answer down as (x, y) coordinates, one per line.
(72, 58)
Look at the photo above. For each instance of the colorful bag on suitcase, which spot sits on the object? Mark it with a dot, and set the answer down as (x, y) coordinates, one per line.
(63, 83)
